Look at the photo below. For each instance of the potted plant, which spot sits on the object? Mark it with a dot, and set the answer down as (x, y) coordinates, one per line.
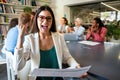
(113, 31)
(116, 31)
(27, 9)
(110, 31)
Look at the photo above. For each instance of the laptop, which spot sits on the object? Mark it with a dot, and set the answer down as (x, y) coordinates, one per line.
(70, 37)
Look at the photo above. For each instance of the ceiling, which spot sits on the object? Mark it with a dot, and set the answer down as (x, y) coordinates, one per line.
(82, 2)
(114, 4)
(88, 11)
(109, 5)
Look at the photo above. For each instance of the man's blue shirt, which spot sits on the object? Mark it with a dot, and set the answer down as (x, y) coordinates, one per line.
(11, 39)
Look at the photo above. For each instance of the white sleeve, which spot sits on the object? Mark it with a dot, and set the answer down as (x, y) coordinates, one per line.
(59, 28)
(22, 54)
(67, 58)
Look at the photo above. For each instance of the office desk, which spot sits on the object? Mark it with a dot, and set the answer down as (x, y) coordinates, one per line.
(104, 58)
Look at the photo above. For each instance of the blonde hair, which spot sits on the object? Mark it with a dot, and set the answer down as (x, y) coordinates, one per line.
(79, 20)
(24, 18)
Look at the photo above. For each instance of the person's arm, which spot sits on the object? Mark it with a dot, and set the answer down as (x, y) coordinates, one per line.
(88, 35)
(91, 30)
(21, 54)
(81, 31)
(59, 29)
(100, 36)
(21, 30)
(68, 29)
(67, 58)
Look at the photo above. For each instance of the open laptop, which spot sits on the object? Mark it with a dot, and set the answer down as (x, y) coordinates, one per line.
(70, 37)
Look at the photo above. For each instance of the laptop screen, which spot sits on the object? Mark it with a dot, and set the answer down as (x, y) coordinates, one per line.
(70, 36)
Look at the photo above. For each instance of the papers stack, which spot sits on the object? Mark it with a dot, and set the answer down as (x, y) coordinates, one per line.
(76, 72)
(91, 43)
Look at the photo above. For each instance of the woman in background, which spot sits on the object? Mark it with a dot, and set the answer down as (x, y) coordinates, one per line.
(63, 27)
(97, 31)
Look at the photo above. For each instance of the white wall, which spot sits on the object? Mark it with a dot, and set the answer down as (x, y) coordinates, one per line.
(59, 10)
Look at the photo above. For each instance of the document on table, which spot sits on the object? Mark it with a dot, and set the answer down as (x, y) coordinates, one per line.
(91, 43)
(76, 72)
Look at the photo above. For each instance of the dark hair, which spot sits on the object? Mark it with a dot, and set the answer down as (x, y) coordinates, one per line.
(42, 8)
(99, 21)
(13, 23)
(65, 20)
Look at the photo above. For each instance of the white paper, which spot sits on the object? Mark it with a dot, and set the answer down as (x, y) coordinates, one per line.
(2, 61)
(76, 72)
(91, 43)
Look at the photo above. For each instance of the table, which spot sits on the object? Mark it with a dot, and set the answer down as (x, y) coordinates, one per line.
(104, 58)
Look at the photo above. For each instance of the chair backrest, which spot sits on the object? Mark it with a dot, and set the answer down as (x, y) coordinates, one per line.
(11, 69)
(24, 73)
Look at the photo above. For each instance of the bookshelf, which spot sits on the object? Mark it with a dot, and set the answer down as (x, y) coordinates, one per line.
(9, 11)
(44, 2)
(12, 9)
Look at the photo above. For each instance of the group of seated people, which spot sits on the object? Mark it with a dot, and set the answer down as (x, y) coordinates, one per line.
(77, 31)
(96, 32)
(43, 45)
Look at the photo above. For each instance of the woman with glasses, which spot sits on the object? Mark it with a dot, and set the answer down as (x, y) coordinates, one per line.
(46, 48)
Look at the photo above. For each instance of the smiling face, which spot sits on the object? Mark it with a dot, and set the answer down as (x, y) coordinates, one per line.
(44, 21)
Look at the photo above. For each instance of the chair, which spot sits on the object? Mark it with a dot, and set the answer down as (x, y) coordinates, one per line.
(11, 68)
(24, 73)
(11, 71)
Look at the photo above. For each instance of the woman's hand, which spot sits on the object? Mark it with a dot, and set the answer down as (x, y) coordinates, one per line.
(84, 75)
(94, 29)
(89, 31)
(21, 30)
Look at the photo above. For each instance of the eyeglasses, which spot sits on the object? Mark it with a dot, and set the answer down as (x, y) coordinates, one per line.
(42, 18)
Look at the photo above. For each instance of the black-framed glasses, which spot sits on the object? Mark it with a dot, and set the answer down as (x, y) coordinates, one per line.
(42, 18)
